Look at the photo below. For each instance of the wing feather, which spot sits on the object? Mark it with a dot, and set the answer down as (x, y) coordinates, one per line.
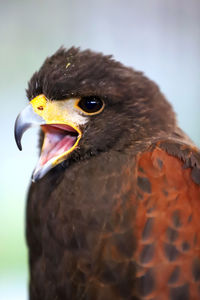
(167, 225)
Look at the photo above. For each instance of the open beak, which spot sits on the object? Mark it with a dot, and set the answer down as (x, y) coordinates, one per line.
(61, 134)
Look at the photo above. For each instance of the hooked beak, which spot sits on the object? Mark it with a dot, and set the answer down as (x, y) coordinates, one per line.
(25, 120)
(61, 136)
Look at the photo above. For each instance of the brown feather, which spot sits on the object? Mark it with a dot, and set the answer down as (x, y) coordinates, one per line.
(168, 217)
(134, 236)
(119, 219)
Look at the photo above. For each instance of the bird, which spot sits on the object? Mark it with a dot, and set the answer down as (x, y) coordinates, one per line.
(114, 203)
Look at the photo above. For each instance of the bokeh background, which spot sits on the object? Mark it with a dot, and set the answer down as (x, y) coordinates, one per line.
(159, 37)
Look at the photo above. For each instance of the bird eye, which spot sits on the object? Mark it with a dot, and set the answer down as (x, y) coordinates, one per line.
(91, 104)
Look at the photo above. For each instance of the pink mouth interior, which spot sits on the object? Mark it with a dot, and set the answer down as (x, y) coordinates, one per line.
(58, 139)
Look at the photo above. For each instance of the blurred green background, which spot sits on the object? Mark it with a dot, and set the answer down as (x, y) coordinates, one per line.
(159, 37)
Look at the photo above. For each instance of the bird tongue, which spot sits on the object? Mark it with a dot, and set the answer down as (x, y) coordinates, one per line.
(58, 139)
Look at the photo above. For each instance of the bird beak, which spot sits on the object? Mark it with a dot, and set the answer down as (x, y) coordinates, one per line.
(61, 134)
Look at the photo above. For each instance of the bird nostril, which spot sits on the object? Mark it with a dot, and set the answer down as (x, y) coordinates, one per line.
(40, 107)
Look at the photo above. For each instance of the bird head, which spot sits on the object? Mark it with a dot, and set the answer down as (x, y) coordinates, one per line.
(87, 103)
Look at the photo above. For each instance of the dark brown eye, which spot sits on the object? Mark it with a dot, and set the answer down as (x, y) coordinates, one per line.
(91, 104)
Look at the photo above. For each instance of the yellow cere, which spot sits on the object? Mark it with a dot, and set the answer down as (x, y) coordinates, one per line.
(56, 112)
(38, 104)
(53, 112)
(50, 111)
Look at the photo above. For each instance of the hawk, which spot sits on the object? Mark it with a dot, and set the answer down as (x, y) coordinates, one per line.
(113, 211)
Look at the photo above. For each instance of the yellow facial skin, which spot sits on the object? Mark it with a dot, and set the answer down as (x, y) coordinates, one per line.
(42, 111)
(55, 112)
(58, 112)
